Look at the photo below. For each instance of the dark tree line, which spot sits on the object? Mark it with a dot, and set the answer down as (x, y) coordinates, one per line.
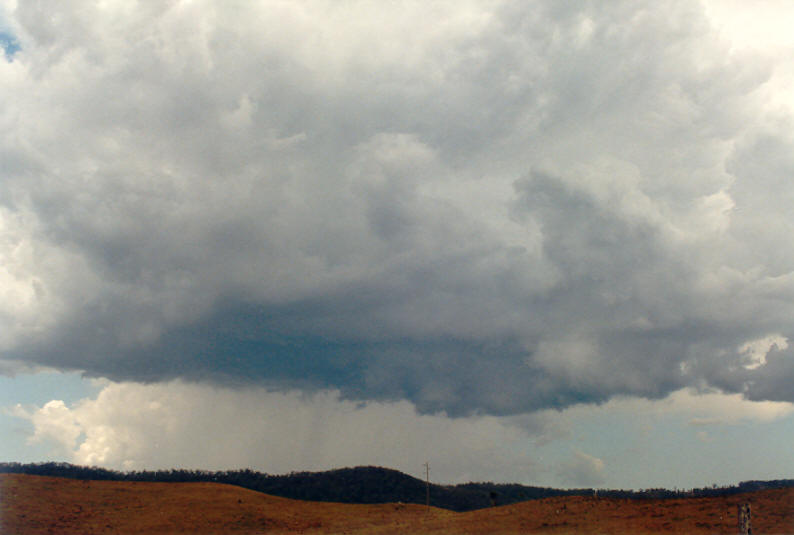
(370, 484)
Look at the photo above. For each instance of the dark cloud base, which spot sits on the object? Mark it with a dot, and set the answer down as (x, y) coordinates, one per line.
(248, 344)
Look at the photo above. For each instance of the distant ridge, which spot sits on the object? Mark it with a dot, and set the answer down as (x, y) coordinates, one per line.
(372, 484)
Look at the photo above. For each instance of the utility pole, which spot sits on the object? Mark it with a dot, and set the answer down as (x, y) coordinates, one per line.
(427, 481)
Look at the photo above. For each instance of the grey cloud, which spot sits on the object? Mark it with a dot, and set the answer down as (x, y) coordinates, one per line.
(524, 207)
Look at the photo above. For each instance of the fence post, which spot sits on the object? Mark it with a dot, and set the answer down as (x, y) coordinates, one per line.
(743, 519)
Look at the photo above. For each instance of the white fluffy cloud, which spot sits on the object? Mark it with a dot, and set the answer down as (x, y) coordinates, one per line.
(53, 422)
(582, 470)
(479, 207)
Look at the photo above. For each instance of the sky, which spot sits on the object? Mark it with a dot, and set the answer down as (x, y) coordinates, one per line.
(539, 242)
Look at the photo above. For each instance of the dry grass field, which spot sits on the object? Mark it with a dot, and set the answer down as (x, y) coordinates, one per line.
(36, 505)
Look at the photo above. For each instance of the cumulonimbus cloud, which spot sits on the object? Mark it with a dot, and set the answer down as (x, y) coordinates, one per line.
(489, 208)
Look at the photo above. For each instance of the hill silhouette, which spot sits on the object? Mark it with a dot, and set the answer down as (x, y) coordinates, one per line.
(372, 485)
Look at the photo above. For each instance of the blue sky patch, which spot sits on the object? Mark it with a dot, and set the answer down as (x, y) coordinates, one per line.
(9, 44)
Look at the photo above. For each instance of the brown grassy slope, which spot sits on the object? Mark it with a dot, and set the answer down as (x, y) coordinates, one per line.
(36, 504)
(773, 513)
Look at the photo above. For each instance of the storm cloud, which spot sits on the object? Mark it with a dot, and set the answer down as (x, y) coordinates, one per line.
(481, 208)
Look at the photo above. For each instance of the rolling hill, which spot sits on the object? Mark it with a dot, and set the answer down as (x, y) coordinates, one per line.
(33, 505)
(372, 484)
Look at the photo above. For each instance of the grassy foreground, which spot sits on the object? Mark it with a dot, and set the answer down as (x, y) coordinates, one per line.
(37, 505)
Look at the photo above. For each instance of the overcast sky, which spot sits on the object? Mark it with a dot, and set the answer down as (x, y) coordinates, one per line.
(544, 242)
